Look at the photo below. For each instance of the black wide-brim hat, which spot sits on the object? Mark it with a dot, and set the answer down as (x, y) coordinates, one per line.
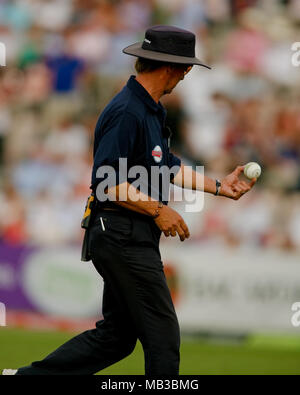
(167, 44)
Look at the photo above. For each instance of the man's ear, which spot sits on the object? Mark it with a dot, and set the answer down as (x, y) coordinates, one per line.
(164, 72)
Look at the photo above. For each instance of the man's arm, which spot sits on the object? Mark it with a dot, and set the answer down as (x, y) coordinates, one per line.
(167, 219)
(231, 186)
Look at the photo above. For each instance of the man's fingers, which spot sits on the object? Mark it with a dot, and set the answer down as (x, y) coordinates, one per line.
(233, 187)
(173, 228)
(245, 187)
(182, 230)
(253, 181)
(239, 170)
(181, 234)
(238, 188)
(185, 228)
(173, 232)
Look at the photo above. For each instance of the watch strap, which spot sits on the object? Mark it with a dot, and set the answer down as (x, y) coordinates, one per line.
(218, 186)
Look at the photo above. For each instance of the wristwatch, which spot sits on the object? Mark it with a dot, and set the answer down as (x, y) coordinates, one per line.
(218, 186)
(157, 211)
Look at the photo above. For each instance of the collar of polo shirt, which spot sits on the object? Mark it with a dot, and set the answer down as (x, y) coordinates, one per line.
(141, 92)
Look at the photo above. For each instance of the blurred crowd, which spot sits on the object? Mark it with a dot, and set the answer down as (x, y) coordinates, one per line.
(64, 62)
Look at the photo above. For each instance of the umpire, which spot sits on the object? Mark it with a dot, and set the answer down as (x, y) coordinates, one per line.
(124, 234)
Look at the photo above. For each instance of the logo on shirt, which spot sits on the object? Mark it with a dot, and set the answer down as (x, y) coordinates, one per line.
(157, 154)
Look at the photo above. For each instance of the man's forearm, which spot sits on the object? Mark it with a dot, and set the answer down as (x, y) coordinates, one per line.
(190, 179)
(125, 195)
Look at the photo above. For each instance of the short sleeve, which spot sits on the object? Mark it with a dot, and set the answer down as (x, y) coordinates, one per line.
(118, 142)
(174, 165)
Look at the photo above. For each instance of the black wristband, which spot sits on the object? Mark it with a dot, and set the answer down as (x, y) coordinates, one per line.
(218, 186)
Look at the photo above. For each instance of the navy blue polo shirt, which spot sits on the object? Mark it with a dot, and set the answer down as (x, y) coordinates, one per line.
(131, 127)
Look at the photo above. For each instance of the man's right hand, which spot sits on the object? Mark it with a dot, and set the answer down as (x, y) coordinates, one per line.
(168, 220)
(171, 223)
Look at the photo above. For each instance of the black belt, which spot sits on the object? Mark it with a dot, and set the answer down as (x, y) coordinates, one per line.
(107, 206)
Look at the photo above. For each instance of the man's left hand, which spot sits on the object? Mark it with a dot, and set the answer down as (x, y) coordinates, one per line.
(232, 187)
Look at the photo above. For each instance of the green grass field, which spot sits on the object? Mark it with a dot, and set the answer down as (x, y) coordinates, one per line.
(20, 347)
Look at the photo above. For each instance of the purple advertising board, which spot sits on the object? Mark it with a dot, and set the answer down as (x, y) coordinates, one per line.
(11, 288)
(50, 281)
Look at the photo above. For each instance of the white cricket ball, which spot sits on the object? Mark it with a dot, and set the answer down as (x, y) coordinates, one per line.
(252, 170)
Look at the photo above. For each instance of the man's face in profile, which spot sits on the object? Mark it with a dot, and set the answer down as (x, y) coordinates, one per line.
(176, 74)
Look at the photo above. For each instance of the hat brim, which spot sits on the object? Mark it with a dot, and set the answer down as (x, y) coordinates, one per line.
(137, 50)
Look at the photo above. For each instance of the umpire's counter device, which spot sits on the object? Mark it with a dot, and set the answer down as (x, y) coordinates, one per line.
(85, 224)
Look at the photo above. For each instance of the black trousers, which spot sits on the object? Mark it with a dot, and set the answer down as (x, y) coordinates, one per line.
(136, 303)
